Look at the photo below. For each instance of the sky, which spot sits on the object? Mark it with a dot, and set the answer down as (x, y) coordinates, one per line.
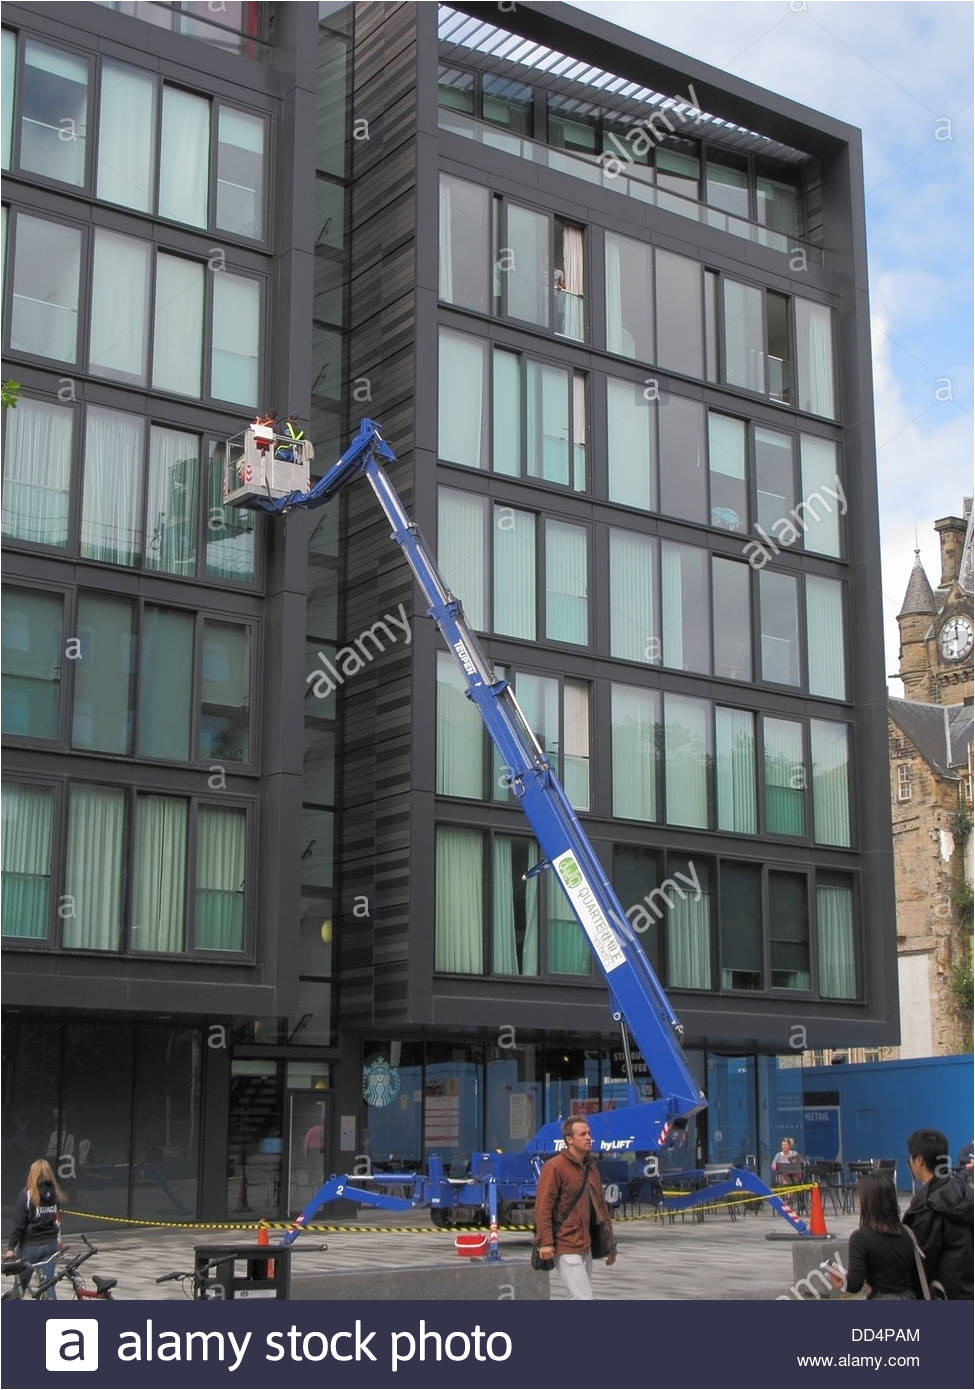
(902, 73)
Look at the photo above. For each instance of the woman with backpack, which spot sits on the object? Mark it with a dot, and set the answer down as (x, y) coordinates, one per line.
(36, 1236)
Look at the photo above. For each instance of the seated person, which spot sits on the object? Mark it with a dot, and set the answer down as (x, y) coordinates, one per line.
(786, 1158)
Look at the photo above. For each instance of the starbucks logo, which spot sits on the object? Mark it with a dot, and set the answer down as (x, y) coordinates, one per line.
(380, 1082)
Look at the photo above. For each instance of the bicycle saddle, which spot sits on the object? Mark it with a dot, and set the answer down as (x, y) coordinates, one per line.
(103, 1285)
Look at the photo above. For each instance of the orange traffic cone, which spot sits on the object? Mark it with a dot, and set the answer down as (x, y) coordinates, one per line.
(263, 1269)
(817, 1217)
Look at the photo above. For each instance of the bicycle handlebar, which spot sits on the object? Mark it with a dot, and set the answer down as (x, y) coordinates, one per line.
(173, 1274)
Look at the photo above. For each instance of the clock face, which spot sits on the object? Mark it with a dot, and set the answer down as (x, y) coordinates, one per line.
(956, 638)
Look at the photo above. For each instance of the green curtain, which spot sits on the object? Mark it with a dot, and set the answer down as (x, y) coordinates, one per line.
(837, 958)
(93, 874)
(505, 960)
(824, 637)
(785, 778)
(158, 908)
(165, 683)
(460, 734)
(689, 935)
(566, 944)
(632, 625)
(735, 770)
(460, 901)
(220, 879)
(566, 583)
(829, 746)
(635, 717)
(26, 878)
(172, 506)
(686, 758)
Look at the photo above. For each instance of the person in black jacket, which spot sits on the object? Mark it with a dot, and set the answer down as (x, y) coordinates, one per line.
(36, 1236)
(881, 1253)
(940, 1213)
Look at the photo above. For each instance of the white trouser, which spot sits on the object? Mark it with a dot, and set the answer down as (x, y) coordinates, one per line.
(575, 1271)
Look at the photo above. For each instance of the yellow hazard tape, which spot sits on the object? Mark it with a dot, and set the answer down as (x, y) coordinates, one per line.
(279, 1226)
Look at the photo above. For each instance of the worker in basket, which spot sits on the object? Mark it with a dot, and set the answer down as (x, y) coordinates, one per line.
(286, 451)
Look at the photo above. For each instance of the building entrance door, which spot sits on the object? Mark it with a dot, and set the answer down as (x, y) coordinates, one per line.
(308, 1113)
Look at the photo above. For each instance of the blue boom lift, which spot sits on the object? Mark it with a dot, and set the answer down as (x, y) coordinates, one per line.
(499, 1182)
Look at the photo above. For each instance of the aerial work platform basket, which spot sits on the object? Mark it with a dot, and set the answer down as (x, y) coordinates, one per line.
(260, 463)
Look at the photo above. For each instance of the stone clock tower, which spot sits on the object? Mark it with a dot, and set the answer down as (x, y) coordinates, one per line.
(936, 626)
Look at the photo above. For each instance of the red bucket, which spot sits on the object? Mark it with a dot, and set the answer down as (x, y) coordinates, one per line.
(472, 1245)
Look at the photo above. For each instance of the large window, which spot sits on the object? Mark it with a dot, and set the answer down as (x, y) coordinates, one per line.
(44, 307)
(502, 410)
(197, 160)
(33, 637)
(465, 230)
(530, 929)
(167, 682)
(779, 616)
(127, 860)
(142, 498)
(141, 301)
(636, 752)
(788, 916)
(629, 298)
(785, 777)
(537, 583)
(814, 357)
(830, 756)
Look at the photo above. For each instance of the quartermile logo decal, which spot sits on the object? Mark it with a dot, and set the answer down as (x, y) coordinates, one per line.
(586, 906)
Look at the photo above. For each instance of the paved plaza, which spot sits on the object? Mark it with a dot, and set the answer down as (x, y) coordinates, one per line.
(713, 1258)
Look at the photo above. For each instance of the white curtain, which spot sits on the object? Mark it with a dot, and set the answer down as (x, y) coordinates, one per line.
(126, 136)
(824, 637)
(814, 343)
(507, 413)
(461, 551)
(820, 469)
(615, 341)
(635, 715)
(37, 472)
(566, 583)
(172, 501)
(236, 338)
(111, 506)
(829, 744)
(463, 399)
(672, 606)
(184, 162)
(27, 817)
(460, 736)
(735, 768)
(632, 624)
(547, 402)
(158, 907)
(460, 901)
(570, 298)
(837, 959)
(220, 879)
(177, 341)
(630, 445)
(744, 336)
(120, 307)
(686, 760)
(93, 873)
(514, 573)
(575, 762)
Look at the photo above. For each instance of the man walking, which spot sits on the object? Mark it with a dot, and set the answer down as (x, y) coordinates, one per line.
(569, 1199)
(940, 1213)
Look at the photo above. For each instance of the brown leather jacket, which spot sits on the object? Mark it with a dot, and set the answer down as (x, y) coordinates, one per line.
(560, 1179)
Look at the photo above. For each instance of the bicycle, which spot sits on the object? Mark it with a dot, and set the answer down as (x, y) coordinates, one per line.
(68, 1270)
(195, 1283)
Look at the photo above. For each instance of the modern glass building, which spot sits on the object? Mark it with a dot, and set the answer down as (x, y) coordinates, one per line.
(264, 908)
